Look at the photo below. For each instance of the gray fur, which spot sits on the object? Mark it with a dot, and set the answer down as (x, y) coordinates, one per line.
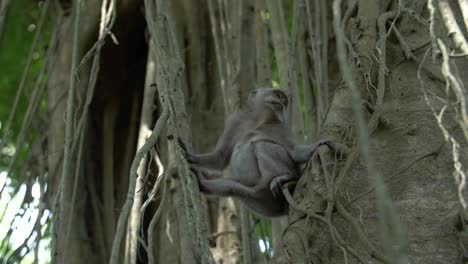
(261, 152)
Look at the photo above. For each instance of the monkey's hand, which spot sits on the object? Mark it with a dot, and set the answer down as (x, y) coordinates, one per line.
(191, 158)
(303, 153)
(277, 183)
(330, 144)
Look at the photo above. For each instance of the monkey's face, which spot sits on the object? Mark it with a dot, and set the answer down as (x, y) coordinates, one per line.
(274, 99)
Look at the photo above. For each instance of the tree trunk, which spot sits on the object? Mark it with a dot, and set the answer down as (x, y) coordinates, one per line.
(386, 47)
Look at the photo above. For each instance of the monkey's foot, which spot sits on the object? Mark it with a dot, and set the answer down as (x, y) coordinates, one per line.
(188, 156)
(277, 183)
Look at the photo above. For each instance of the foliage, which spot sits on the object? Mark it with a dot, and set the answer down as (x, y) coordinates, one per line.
(21, 25)
(21, 59)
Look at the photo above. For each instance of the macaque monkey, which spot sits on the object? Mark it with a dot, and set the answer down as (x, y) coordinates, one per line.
(261, 152)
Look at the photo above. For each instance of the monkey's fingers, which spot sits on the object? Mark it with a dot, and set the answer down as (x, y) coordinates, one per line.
(192, 159)
(184, 149)
(199, 174)
(330, 144)
(182, 144)
(277, 183)
(194, 170)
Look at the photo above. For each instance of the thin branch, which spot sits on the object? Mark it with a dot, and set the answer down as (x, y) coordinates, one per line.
(220, 57)
(406, 48)
(451, 81)
(18, 253)
(388, 214)
(159, 178)
(154, 219)
(457, 87)
(338, 239)
(452, 26)
(64, 219)
(4, 8)
(123, 218)
(298, 116)
(432, 17)
(358, 230)
(262, 50)
(34, 103)
(106, 22)
(280, 42)
(315, 41)
(146, 118)
(463, 4)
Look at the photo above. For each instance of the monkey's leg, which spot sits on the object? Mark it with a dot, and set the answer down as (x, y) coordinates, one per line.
(211, 182)
(206, 174)
(303, 153)
(227, 187)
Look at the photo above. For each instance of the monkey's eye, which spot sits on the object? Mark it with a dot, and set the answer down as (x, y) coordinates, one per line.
(253, 92)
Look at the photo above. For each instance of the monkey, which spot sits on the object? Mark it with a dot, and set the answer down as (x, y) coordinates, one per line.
(261, 152)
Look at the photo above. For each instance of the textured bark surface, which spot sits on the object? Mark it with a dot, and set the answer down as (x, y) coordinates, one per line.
(67, 244)
(98, 187)
(407, 145)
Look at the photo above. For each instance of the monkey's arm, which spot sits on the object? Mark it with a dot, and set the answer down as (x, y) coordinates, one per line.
(303, 153)
(218, 159)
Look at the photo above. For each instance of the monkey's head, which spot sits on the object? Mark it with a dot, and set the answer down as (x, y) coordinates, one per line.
(270, 99)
